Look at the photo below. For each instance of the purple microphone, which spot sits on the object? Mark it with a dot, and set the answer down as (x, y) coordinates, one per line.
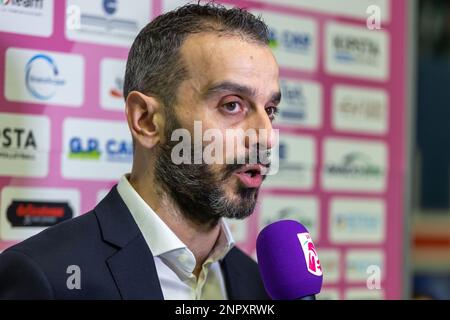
(288, 261)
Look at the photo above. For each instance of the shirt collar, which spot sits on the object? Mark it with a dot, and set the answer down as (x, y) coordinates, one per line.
(160, 238)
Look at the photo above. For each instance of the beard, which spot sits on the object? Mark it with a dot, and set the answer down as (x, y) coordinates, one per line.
(197, 190)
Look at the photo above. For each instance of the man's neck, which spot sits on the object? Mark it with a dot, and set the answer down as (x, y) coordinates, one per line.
(199, 238)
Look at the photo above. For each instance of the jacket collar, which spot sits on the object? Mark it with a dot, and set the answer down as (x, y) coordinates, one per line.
(132, 266)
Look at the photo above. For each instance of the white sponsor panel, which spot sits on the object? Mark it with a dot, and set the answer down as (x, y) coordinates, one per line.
(238, 229)
(356, 51)
(24, 145)
(327, 293)
(44, 77)
(296, 168)
(330, 262)
(31, 17)
(358, 109)
(112, 73)
(347, 8)
(169, 5)
(359, 264)
(301, 105)
(26, 211)
(108, 22)
(364, 294)
(304, 209)
(354, 165)
(354, 220)
(96, 149)
(293, 40)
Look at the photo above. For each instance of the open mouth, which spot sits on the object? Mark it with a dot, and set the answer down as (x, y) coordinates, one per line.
(251, 173)
(250, 176)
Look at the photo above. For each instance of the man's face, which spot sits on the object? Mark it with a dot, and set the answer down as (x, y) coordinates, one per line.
(232, 84)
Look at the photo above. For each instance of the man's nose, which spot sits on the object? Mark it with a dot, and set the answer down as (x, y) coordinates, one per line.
(261, 123)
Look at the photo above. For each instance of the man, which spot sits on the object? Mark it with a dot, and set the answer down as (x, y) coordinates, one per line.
(160, 233)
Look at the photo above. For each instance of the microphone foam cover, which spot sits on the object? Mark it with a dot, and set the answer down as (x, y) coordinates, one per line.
(288, 261)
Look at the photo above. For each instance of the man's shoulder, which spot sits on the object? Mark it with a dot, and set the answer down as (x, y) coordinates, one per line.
(72, 237)
(40, 266)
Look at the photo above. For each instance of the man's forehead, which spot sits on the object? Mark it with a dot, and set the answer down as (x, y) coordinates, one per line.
(213, 58)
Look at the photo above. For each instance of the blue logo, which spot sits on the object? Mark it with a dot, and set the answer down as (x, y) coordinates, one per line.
(42, 78)
(91, 149)
(290, 41)
(85, 151)
(119, 151)
(295, 101)
(110, 6)
(283, 151)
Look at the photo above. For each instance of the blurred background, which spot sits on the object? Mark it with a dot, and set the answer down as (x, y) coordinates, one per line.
(364, 129)
(430, 194)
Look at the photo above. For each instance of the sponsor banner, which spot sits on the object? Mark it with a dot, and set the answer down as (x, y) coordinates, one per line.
(44, 77)
(239, 229)
(108, 22)
(25, 211)
(329, 260)
(301, 105)
(304, 209)
(24, 145)
(112, 73)
(96, 149)
(354, 165)
(361, 110)
(327, 293)
(356, 51)
(355, 221)
(347, 8)
(28, 17)
(361, 263)
(364, 294)
(293, 40)
(296, 169)
(169, 5)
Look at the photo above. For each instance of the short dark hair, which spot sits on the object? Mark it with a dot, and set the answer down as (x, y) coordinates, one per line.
(154, 63)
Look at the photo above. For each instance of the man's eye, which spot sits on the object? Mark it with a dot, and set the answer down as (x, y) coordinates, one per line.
(232, 107)
(272, 112)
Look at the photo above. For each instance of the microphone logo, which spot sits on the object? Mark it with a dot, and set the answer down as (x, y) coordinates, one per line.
(310, 253)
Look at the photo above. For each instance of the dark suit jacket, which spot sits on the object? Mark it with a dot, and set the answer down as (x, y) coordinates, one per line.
(114, 260)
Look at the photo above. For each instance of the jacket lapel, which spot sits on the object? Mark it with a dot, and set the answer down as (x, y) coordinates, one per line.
(236, 288)
(132, 266)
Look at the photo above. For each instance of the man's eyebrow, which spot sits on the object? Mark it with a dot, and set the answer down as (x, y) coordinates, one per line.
(237, 88)
(229, 86)
(276, 97)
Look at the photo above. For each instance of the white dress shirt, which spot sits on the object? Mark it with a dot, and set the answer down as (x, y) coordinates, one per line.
(173, 260)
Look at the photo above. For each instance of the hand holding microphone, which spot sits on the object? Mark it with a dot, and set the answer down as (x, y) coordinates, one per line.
(288, 261)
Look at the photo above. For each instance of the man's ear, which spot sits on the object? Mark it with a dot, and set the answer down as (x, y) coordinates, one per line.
(144, 116)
